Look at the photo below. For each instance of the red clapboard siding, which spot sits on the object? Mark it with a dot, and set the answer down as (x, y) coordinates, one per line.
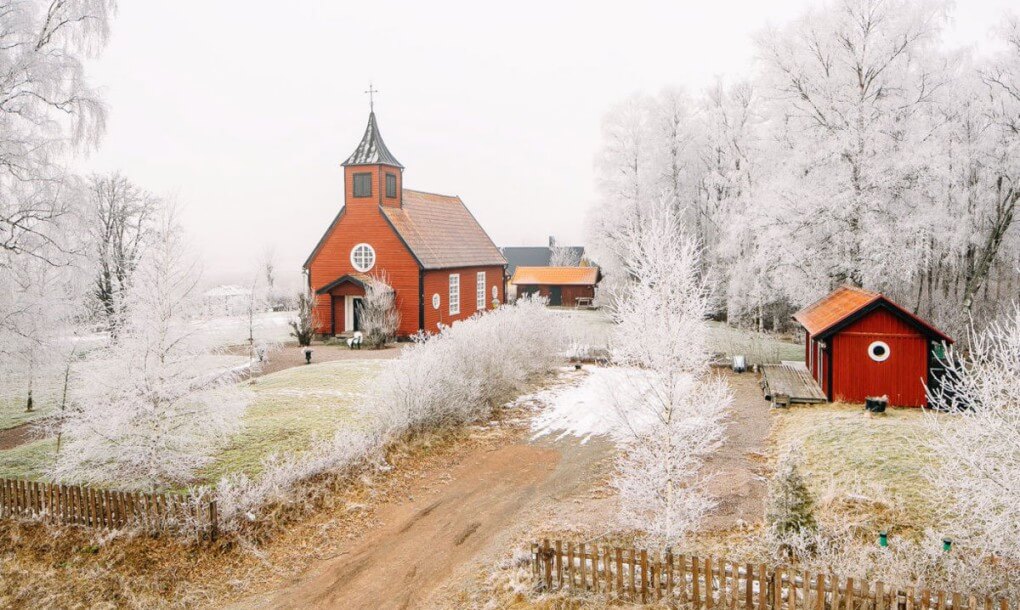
(901, 377)
(437, 281)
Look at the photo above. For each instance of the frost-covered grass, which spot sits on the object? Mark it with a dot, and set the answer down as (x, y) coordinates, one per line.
(291, 408)
(859, 463)
(233, 330)
(48, 389)
(760, 348)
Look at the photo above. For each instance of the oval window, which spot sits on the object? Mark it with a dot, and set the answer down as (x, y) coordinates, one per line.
(495, 292)
(878, 351)
(435, 301)
(363, 257)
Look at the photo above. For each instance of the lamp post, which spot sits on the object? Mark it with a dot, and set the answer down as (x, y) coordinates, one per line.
(308, 355)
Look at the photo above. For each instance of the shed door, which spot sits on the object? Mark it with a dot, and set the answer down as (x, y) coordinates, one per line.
(555, 295)
(337, 323)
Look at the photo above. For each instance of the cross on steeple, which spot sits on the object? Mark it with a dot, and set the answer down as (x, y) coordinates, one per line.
(371, 97)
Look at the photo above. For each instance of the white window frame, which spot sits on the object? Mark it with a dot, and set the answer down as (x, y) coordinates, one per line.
(454, 294)
(480, 290)
(876, 357)
(354, 263)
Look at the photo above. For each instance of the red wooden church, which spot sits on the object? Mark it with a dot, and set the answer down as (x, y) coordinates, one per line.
(860, 344)
(440, 262)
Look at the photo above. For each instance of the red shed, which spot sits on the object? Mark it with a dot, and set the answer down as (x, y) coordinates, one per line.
(859, 343)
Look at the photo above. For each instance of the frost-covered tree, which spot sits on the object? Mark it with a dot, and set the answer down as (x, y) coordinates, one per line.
(672, 408)
(152, 412)
(379, 315)
(564, 256)
(977, 442)
(120, 219)
(47, 110)
(849, 84)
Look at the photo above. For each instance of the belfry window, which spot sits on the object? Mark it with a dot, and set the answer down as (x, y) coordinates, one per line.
(362, 185)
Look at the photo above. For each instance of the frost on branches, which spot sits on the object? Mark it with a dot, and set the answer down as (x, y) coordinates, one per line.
(379, 315)
(151, 415)
(673, 413)
(978, 442)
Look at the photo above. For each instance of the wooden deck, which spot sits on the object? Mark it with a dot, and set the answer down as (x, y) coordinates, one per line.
(790, 383)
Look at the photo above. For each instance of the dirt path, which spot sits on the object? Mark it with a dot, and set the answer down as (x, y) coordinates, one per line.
(458, 521)
(738, 466)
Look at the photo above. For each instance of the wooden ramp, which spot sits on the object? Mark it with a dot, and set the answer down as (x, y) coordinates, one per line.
(790, 383)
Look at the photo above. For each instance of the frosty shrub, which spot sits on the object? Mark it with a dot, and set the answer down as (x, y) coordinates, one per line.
(789, 509)
(303, 326)
(379, 315)
(466, 370)
(672, 415)
(151, 415)
(240, 497)
(977, 438)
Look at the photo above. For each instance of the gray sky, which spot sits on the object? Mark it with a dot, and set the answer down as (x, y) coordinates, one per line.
(243, 111)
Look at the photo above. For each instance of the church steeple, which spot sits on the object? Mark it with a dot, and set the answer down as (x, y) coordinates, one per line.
(372, 150)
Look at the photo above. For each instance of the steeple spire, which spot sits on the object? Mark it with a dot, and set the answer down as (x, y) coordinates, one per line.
(372, 150)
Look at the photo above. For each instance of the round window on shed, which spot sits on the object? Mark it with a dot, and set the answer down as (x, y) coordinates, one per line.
(878, 351)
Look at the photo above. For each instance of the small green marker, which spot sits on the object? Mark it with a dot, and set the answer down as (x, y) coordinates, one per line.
(883, 539)
(947, 544)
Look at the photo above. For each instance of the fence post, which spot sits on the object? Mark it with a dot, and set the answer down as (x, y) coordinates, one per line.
(214, 528)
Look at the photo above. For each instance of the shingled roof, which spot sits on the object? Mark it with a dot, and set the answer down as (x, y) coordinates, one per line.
(441, 232)
(372, 150)
(845, 304)
(555, 276)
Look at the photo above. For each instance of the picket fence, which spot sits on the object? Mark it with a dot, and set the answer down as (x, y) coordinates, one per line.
(692, 582)
(104, 508)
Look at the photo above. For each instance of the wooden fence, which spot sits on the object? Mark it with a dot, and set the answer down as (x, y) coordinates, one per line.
(692, 582)
(103, 508)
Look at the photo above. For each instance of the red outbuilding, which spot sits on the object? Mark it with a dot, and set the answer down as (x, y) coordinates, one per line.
(439, 261)
(860, 344)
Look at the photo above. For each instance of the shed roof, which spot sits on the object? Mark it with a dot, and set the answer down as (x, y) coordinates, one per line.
(441, 232)
(555, 276)
(847, 303)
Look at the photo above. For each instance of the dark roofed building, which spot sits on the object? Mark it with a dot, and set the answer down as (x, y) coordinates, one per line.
(538, 256)
(429, 248)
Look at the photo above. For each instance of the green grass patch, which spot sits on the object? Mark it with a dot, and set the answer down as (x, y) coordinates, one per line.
(14, 397)
(28, 461)
(292, 408)
(869, 468)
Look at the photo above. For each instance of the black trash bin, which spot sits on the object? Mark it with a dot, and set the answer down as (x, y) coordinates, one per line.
(876, 404)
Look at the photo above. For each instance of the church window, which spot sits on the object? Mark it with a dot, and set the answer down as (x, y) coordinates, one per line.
(480, 291)
(362, 185)
(391, 185)
(363, 257)
(454, 294)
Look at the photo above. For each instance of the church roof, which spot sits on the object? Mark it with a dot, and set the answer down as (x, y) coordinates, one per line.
(372, 150)
(441, 232)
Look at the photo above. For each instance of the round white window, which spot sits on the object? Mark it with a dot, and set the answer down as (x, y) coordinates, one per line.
(363, 257)
(435, 301)
(878, 351)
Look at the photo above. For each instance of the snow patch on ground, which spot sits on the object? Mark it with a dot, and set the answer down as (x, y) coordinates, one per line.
(589, 404)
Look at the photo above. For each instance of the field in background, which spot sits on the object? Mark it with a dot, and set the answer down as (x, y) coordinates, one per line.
(593, 328)
(862, 467)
